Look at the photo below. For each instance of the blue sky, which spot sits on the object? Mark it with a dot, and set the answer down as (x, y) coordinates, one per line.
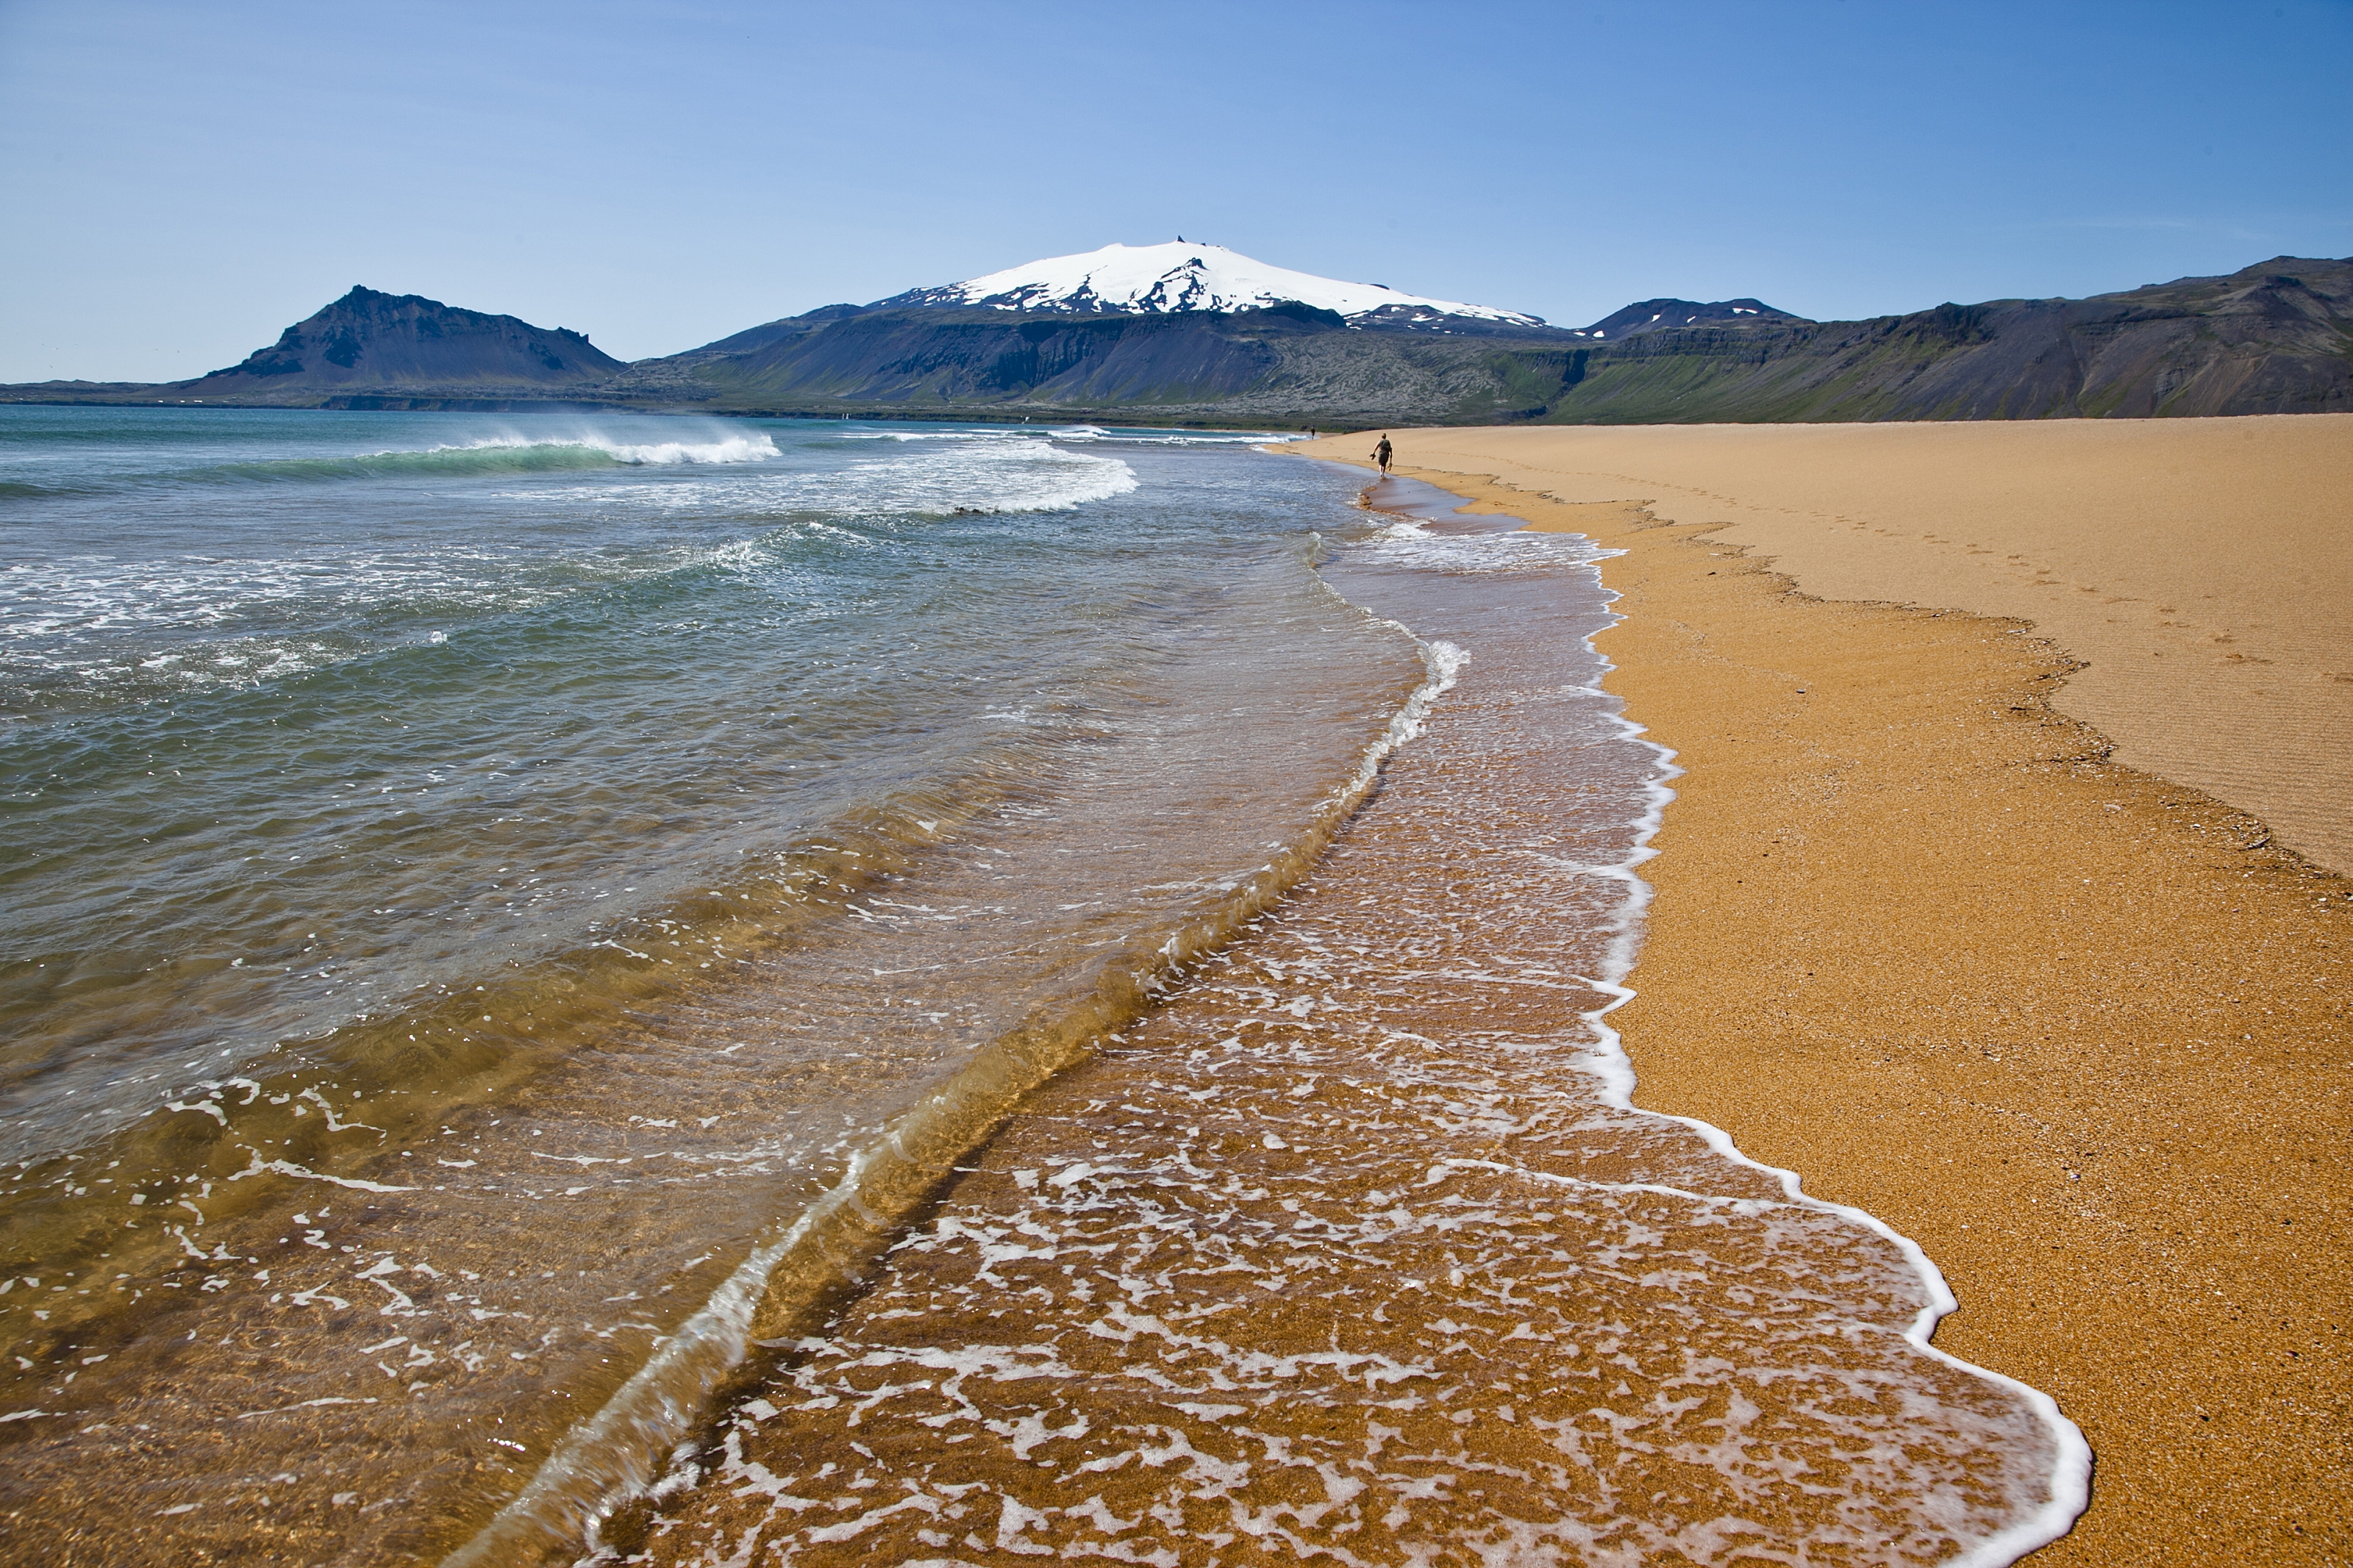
(182, 180)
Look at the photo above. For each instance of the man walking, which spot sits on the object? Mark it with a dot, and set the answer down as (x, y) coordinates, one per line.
(1381, 456)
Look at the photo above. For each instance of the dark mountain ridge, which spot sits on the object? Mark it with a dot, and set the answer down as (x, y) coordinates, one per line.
(2275, 338)
(938, 354)
(374, 341)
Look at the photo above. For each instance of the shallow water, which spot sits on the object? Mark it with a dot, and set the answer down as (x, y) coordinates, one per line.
(507, 915)
(406, 1032)
(1352, 1250)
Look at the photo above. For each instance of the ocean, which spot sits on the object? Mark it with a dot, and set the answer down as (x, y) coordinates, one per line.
(580, 986)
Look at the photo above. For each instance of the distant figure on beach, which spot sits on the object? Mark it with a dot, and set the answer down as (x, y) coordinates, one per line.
(1381, 456)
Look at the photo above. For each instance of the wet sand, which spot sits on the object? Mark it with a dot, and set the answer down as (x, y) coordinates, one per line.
(2077, 1026)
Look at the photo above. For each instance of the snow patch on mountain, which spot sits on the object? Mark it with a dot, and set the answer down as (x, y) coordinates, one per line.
(1183, 276)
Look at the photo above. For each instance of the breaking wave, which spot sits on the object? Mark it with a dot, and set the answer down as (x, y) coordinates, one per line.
(968, 473)
(502, 455)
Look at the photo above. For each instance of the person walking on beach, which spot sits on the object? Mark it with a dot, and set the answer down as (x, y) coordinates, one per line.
(1381, 456)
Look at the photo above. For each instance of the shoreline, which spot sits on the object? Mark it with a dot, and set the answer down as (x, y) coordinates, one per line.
(1215, 1273)
(2070, 1477)
(1917, 937)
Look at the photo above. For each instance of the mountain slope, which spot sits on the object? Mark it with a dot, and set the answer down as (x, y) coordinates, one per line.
(368, 341)
(1290, 362)
(2277, 338)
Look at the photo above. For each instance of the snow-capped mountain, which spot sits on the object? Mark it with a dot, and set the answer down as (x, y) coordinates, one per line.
(1183, 276)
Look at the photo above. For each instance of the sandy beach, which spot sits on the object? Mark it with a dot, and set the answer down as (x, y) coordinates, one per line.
(2003, 893)
(2199, 572)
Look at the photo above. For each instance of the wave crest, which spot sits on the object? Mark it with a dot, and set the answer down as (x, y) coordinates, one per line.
(504, 455)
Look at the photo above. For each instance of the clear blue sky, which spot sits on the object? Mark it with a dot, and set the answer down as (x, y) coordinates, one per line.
(180, 181)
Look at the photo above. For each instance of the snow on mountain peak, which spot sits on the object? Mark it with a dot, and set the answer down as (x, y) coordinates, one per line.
(1184, 276)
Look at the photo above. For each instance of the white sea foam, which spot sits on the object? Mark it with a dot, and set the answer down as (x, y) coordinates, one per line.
(1408, 542)
(984, 472)
(998, 433)
(2069, 1488)
(732, 448)
(1151, 437)
(1086, 434)
(926, 473)
(188, 623)
(228, 616)
(96, 594)
(1407, 539)
(752, 448)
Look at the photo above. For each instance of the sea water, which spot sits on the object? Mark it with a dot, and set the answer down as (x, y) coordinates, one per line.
(539, 951)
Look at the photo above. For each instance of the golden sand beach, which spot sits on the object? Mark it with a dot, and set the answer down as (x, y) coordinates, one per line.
(2003, 894)
(2199, 571)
